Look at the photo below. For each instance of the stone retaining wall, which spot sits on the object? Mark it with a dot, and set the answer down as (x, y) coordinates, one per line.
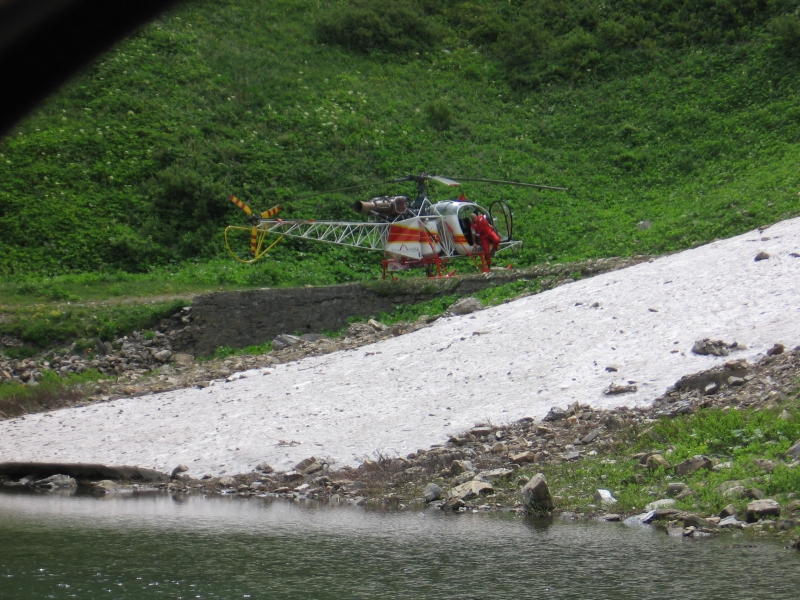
(252, 317)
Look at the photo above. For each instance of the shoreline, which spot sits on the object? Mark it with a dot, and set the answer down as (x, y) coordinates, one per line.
(578, 449)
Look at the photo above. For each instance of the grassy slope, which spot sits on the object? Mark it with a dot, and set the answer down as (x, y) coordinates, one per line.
(131, 164)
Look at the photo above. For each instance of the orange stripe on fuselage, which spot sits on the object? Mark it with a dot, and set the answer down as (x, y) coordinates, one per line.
(399, 233)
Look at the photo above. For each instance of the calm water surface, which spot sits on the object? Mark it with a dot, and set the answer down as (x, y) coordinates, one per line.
(160, 547)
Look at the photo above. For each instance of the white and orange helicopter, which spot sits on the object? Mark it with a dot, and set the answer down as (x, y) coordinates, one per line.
(411, 234)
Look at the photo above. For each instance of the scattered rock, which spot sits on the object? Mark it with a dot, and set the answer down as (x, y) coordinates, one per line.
(728, 511)
(457, 467)
(465, 306)
(775, 350)
(523, 457)
(656, 461)
(613, 388)
(56, 482)
(178, 469)
(536, 494)
(265, 467)
(663, 503)
(285, 341)
(471, 489)
(674, 488)
(762, 508)
(693, 465)
(765, 465)
(753, 494)
(761, 256)
(643, 225)
(103, 488)
(555, 414)
(163, 355)
(182, 360)
(432, 492)
(590, 437)
(731, 521)
(736, 491)
(227, 481)
(794, 451)
(376, 325)
(453, 503)
(494, 474)
(708, 346)
(309, 466)
(604, 497)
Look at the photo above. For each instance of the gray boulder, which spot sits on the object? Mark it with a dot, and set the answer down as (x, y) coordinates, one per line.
(762, 508)
(181, 359)
(178, 469)
(163, 355)
(493, 474)
(663, 503)
(284, 341)
(312, 337)
(536, 494)
(457, 467)
(731, 521)
(432, 492)
(693, 465)
(103, 488)
(309, 466)
(604, 497)
(676, 487)
(465, 306)
(794, 451)
(471, 489)
(711, 347)
(56, 482)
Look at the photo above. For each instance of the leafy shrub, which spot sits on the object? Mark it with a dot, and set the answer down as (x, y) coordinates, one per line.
(440, 115)
(786, 29)
(372, 25)
(185, 213)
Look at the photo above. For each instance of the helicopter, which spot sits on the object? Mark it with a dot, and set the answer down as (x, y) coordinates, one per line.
(412, 234)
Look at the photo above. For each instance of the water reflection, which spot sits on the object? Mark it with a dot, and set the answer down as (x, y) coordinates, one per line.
(189, 547)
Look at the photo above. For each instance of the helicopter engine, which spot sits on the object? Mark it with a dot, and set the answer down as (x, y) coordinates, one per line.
(383, 205)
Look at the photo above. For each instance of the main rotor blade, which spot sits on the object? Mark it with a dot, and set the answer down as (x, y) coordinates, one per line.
(350, 187)
(444, 180)
(518, 183)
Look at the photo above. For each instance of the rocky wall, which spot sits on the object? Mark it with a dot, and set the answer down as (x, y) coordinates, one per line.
(252, 317)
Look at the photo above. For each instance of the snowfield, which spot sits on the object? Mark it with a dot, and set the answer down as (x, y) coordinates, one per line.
(498, 365)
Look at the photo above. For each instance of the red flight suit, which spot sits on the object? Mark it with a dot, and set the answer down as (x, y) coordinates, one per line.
(487, 236)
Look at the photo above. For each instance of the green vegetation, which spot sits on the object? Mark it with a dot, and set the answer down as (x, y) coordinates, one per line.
(40, 325)
(684, 114)
(51, 392)
(732, 436)
(227, 351)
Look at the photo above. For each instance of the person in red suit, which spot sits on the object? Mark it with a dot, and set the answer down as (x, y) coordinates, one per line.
(486, 236)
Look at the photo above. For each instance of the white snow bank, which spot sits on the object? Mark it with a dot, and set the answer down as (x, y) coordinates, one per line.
(410, 392)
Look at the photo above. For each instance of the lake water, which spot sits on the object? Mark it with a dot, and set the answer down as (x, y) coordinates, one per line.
(156, 546)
